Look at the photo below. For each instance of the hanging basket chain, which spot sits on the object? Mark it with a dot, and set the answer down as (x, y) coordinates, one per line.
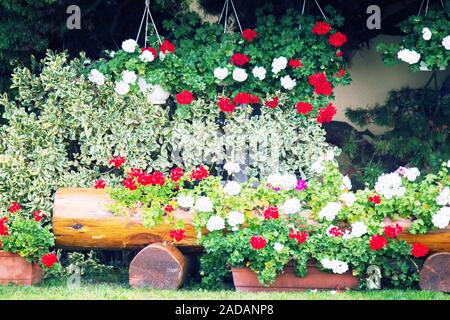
(427, 5)
(318, 6)
(224, 14)
(147, 14)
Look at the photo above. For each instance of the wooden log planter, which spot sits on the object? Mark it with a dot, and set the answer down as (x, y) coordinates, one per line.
(81, 220)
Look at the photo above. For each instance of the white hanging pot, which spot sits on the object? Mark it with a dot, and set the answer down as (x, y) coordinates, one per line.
(157, 95)
(424, 67)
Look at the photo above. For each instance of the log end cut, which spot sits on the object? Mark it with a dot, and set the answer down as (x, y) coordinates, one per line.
(435, 273)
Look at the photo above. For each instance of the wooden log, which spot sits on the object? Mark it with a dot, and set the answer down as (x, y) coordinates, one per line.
(159, 266)
(435, 273)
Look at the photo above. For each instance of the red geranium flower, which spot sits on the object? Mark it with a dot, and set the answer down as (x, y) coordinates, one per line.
(339, 54)
(271, 213)
(177, 234)
(239, 59)
(152, 50)
(129, 184)
(134, 172)
(38, 215)
(99, 184)
(326, 114)
(294, 63)
(157, 177)
(176, 174)
(14, 207)
(184, 97)
(225, 105)
(375, 199)
(117, 161)
(298, 235)
(272, 103)
(324, 88)
(49, 259)
(199, 173)
(340, 73)
(168, 208)
(392, 231)
(167, 46)
(419, 250)
(377, 242)
(337, 39)
(304, 107)
(245, 98)
(317, 78)
(321, 28)
(258, 242)
(249, 34)
(335, 231)
(3, 227)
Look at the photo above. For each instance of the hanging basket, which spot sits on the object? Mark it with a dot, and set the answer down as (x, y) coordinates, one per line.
(158, 95)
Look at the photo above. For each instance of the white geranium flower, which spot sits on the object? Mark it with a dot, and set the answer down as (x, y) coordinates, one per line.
(287, 82)
(288, 182)
(220, 73)
(426, 34)
(232, 188)
(235, 218)
(275, 180)
(408, 56)
(411, 174)
(239, 75)
(232, 167)
(96, 77)
(147, 56)
(389, 185)
(340, 267)
(278, 247)
(129, 45)
(259, 72)
(446, 42)
(203, 204)
(441, 218)
(443, 198)
(291, 206)
(348, 198)
(122, 88)
(185, 201)
(279, 64)
(326, 263)
(330, 211)
(358, 229)
(215, 223)
(129, 77)
(346, 183)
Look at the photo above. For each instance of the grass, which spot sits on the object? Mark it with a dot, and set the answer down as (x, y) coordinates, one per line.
(58, 290)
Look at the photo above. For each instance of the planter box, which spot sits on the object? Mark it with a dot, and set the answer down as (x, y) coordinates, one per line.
(15, 269)
(245, 280)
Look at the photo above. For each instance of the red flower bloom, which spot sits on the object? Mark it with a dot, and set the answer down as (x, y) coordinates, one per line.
(298, 235)
(49, 259)
(271, 213)
(157, 177)
(249, 34)
(324, 88)
(152, 50)
(144, 179)
(225, 105)
(272, 103)
(258, 242)
(321, 28)
(3, 227)
(340, 73)
(377, 242)
(168, 208)
(339, 54)
(134, 172)
(392, 231)
(117, 161)
(239, 59)
(176, 174)
(326, 114)
(184, 97)
(14, 207)
(337, 39)
(129, 183)
(317, 78)
(99, 184)
(38, 215)
(335, 231)
(167, 46)
(375, 199)
(294, 63)
(419, 250)
(304, 107)
(199, 173)
(245, 98)
(177, 234)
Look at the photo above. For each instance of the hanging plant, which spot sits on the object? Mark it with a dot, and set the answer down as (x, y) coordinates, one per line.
(426, 44)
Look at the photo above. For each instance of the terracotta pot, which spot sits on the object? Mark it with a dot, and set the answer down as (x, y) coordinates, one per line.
(245, 280)
(17, 270)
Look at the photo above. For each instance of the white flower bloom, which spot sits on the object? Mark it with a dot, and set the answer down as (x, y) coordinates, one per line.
(426, 34)
(147, 56)
(330, 211)
(446, 42)
(122, 88)
(220, 73)
(278, 247)
(275, 180)
(143, 85)
(203, 204)
(232, 188)
(408, 56)
(129, 76)
(185, 201)
(358, 229)
(112, 54)
(346, 183)
(235, 218)
(291, 206)
(411, 174)
(389, 185)
(232, 167)
(259, 72)
(287, 82)
(129, 46)
(337, 266)
(96, 77)
(239, 75)
(288, 182)
(443, 198)
(348, 198)
(215, 223)
(441, 218)
(326, 263)
(279, 64)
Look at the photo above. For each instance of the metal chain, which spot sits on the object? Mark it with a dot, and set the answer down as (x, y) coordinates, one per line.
(147, 14)
(225, 11)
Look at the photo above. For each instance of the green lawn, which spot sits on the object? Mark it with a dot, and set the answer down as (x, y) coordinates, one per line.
(51, 290)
